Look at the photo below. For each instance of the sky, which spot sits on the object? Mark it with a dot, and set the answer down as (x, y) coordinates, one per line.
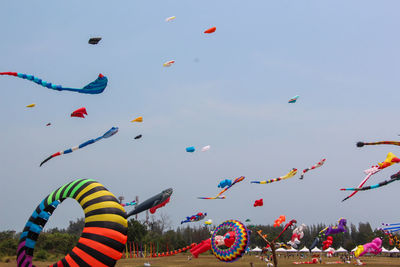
(229, 90)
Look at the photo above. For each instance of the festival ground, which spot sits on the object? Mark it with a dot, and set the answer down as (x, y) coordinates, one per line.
(210, 261)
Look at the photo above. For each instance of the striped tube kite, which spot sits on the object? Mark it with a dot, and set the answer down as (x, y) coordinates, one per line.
(220, 196)
(319, 164)
(389, 161)
(293, 100)
(95, 87)
(394, 227)
(31, 105)
(393, 178)
(290, 174)
(103, 237)
(138, 119)
(107, 134)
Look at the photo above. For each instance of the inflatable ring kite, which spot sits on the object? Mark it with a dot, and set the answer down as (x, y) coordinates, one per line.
(105, 233)
(242, 239)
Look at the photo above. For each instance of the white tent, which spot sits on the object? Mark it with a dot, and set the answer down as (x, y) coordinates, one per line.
(280, 250)
(304, 249)
(316, 250)
(394, 250)
(256, 249)
(291, 250)
(384, 250)
(329, 249)
(341, 250)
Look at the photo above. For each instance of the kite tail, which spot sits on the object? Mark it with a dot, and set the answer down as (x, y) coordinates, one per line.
(49, 158)
(361, 144)
(314, 244)
(34, 79)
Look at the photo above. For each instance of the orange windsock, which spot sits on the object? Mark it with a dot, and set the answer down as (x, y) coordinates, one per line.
(210, 30)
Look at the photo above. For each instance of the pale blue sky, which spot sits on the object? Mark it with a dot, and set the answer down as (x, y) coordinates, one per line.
(228, 90)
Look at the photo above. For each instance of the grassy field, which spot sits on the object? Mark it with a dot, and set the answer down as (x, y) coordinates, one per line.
(211, 261)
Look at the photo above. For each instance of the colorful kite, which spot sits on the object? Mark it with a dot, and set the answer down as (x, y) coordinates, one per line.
(107, 134)
(389, 161)
(220, 196)
(170, 19)
(153, 203)
(225, 183)
(208, 222)
(94, 40)
(319, 164)
(132, 203)
(395, 227)
(374, 247)
(280, 220)
(298, 233)
(294, 99)
(290, 174)
(169, 63)
(393, 178)
(258, 203)
(138, 136)
(31, 105)
(361, 144)
(138, 119)
(331, 230)
(195, 218)
(190, 149)
(327, 243)
(210, 30)
(79, 113)
(95, 87)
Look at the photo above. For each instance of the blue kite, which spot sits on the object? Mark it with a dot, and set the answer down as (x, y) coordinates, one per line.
(225, 183)
(108, 134)
(95, 87)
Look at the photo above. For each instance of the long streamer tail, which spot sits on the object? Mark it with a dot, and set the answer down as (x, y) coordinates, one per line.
(95, 87)
(361, 144)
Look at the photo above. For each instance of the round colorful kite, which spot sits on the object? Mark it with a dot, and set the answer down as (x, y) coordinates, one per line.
(103, 237)
(238, 248)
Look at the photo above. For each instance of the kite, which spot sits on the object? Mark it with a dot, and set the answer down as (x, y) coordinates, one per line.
(195, 218)
(169, 63)
(247, 220)
(393, 178)
(103, 238)
(170, 19)
(138, 119)
(395, 227)
(224, 183)
(190, 149)
(210, 30)
(258, 203)
(327, 243)
(48, 124)
(361, 144)
(319, 164)
(205, 148)
(153, 203)
(79, 113)
(279, 221)
(340, 228)
(107, 134)
(294, 99)
(220, 196)
(138, 136)
(236, 240)
(389, 161)
(208, 222)
(289, 224)
(95, 87)
(94, 40)
(31, 105)
(298, 233)
(132, 203)
(374, 247)
(290, 174)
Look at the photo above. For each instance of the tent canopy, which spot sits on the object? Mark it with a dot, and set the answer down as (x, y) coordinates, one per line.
(316, 250)
(304, 249)
(256, 249)
(280, 250)
(341, 249)
(394, 250)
